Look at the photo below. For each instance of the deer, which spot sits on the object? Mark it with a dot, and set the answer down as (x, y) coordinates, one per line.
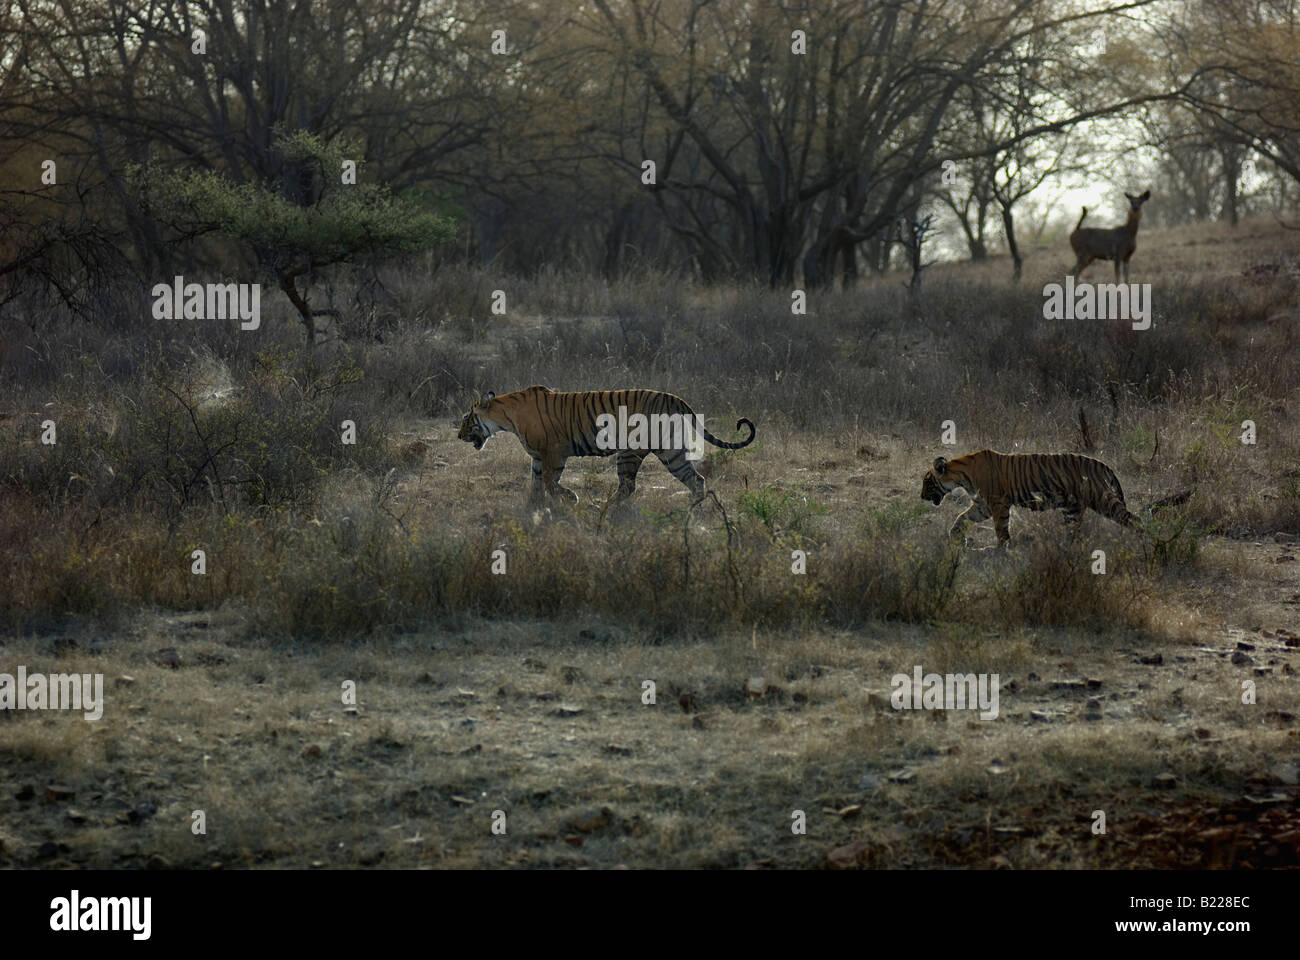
(1108, 243)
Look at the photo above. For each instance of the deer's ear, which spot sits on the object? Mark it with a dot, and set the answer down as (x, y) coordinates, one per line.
(1146, 195)
(940, 465)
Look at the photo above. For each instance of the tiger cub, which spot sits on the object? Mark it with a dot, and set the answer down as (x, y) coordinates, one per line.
(1034, 481)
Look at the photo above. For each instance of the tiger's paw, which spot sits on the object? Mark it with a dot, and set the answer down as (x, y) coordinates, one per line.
(564, 493)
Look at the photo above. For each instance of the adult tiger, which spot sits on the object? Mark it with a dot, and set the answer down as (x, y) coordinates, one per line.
(596, 423)
(1034, 481)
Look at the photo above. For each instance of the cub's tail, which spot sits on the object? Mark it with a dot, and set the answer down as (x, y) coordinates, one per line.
(1173, 500)
(742, 422)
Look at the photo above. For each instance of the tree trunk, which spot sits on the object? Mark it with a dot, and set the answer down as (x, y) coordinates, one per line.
(288, 284)
(1009, 227)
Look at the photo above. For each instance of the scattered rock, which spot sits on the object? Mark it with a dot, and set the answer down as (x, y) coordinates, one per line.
(125, 680)
(58, 793)
(1165, 780)
(848, 857)
(687, 702)
(1154, 660)
(590, 820)
(568, 710)
(25, 792)
(620, 751)
(1241, 659)
(311, 751)
(168, 657)
(1272, 800)
(76, 816)
(756, 687)
(906, 775)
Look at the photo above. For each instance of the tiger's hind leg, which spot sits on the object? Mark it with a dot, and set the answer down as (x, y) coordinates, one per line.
(684, 470)
(629, 462)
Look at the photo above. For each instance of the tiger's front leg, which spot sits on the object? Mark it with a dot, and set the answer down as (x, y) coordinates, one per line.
(1001, 517)
(551, 480)
(977, 511)
(537, 492)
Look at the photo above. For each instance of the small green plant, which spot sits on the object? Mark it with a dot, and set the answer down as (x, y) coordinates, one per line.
(1175, 538)
(893, 519)
(786, 510)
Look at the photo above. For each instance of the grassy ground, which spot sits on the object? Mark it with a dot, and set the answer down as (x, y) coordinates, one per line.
(523, 693)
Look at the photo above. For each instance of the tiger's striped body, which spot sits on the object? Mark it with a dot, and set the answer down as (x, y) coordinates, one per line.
(555, 426)
(1034, 481)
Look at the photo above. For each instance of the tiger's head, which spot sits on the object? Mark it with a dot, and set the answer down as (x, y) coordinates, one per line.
(939, 482)
(478, 425)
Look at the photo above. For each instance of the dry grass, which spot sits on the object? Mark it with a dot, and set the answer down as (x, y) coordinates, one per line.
(371, 562)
